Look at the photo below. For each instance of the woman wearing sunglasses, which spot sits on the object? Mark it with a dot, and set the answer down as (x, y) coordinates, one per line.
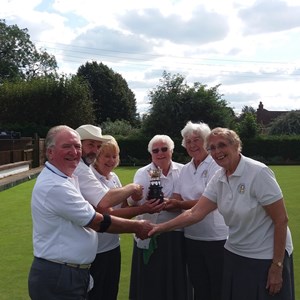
(158, 268)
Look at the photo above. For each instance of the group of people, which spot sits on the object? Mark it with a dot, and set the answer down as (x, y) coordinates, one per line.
(220, 232)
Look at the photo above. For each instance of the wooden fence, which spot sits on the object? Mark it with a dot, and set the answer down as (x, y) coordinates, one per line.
(23, 149)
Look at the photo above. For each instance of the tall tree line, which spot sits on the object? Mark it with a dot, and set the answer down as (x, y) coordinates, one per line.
(34, 97)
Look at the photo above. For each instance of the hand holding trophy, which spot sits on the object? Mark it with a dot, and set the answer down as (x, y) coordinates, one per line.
(155, 188)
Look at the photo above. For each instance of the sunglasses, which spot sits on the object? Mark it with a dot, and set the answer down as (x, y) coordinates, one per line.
(156, 150)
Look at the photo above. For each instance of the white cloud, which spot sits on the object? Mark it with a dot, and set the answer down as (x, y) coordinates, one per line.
(270, 16)
(250, 47)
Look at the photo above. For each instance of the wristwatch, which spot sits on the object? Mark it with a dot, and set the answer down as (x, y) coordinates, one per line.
(277, 263)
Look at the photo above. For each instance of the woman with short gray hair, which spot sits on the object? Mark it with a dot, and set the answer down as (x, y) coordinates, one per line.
(158, 269)
(204, 241)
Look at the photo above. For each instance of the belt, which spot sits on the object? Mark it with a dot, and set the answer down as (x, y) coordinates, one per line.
(76, 266)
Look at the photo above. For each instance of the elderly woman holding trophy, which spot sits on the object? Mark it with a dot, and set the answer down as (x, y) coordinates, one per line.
(158, 268)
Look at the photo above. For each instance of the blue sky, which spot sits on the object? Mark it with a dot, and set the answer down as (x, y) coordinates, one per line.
(250, 47)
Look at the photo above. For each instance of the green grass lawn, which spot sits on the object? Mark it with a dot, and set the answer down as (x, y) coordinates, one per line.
(16, 233)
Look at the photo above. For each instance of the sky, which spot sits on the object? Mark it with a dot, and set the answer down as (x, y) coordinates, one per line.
(251, 48)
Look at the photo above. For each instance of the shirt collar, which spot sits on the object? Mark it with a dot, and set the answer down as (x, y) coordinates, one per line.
(54, 170)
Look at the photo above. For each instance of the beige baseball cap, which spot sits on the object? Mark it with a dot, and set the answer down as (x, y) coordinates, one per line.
(91, 132)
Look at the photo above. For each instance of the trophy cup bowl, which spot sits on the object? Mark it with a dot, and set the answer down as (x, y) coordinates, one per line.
(155, 188)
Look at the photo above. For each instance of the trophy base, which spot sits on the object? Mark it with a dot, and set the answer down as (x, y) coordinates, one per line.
(155, 193)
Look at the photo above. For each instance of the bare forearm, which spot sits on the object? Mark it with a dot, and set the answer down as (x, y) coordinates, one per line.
(121, 225)
(278, 214)
(191, 216)
(128, 212)
(280, 232)
(187, 204)
(118, 225)
(183, 220)
(118, 195)
(114, 197)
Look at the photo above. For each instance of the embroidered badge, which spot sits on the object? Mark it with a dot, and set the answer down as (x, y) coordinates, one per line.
(241, 188)
(204, 174)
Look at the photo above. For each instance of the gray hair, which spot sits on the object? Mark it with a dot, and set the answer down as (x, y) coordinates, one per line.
(161, 138)
(50, 139)
(202, 130)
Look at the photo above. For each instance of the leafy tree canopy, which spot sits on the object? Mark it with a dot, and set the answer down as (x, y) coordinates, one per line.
(19, 58)
(287, 124)
(245, 111)
(174, 103)
(119, 128)
(112, 98)
(248, 127)
(43, 102)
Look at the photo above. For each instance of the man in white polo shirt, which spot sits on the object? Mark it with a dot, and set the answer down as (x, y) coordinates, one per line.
(99, 195)
(65, 224)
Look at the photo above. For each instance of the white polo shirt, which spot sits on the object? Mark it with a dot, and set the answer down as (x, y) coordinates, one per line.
(168, 183)
(108, 241)
(59, 214)
(90, 187)
(191, 184)
(240, 199)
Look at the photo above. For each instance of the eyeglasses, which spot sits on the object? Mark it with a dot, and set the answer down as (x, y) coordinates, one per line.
(162, 149)
(220, 146)
(193, 141)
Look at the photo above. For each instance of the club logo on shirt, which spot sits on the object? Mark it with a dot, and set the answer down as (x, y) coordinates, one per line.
(241, 188)
(204, 174)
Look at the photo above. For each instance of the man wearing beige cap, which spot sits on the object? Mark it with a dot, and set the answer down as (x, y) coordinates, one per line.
(100, 196)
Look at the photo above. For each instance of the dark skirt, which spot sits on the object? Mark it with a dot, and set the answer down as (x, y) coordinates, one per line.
(246, 278)
(105, 271)
(164, 277)
(205, 267)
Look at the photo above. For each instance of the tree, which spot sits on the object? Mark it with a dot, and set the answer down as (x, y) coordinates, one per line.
(41, 103)
(248, 128)
(112, 98)
(174, 103)
(120, 128)
(287, 124)
(19, 58)
(245, 111)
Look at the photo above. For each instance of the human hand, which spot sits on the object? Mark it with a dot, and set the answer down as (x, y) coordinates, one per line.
(172, 204)
(274, 280)
(153, 206)
(156, 228)
(142, 229)
(137, 193)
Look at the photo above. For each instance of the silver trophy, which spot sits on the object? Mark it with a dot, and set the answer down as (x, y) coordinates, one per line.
(155, 188)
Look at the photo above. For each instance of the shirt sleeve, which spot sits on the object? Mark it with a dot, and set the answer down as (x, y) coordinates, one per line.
(210, 191)
(90, 187)
(266, 188)
(66, 202)
(142, 177)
